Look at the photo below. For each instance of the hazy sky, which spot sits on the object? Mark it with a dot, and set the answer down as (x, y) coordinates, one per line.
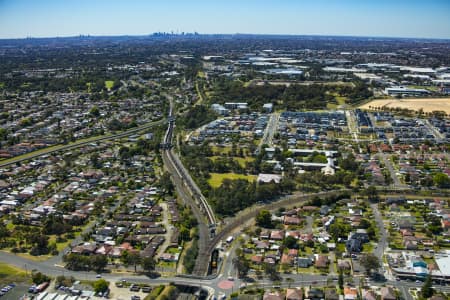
(396, 18)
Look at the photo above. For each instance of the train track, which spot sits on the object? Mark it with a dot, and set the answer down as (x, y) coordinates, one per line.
(191, 194)
(182, 173)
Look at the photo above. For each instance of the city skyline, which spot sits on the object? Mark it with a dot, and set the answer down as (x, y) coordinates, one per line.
(49, 18)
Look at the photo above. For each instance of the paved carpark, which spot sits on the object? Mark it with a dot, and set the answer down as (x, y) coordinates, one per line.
(15, 293)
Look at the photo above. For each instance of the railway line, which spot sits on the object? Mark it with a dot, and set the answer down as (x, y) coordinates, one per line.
(191, 195)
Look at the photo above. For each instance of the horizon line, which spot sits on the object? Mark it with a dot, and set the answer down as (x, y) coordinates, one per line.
(188, 34)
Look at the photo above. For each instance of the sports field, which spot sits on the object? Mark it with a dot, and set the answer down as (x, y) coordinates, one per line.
(426, 104)
(216, 178)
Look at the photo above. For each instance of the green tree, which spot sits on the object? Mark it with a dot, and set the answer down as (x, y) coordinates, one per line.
(98, 262)
(264, 218)
(441, 180)
(4, 232)
(341, 279)
(369, 262)
(3, 134)
(100, 286)
(337, 230)
(427, 288)
(372, 193)
(131, 259)
(165, 183)
(271, 271)
(148, 264)
(38, 277)
(95, 160)
(290, 242)
(242, 265)
(94, 112)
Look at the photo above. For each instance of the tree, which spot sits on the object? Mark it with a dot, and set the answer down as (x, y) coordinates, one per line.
(165, 183)
(4, 232)
(100, 286)
(271, 271)
(337, 230)
(148, 264)
(427, 288)
(364, 223)
(441, 180)
(38, 278)
(369, 262)
(130, 259)
(290, 242)
(341, 279)
(3, 134)
(95, 160)
(371, 193)
(98, 262)
(94, 112)
(242, 265)
(40, 242)
(264, 218)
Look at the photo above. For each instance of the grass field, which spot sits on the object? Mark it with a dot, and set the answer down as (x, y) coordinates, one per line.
(216, 178)
(109, 84)
(221, 150)
(88, 85)
(427, 104)
(201, 74)
(240, 160)
(9, 274)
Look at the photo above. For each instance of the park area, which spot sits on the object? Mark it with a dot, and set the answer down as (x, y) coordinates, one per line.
(217, 178)
(426, 104)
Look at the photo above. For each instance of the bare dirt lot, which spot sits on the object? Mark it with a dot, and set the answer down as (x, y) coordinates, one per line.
(427, 104)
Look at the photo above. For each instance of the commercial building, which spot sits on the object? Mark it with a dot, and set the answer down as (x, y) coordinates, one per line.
(404, 91)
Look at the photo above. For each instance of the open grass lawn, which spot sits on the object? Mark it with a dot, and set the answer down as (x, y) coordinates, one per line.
(221, 150)
(9, 274)
(201, 74)
(341, 99)
(331, 106)
(167, 264)
(88, 85)
(241, 160)
(217, 178)
(173, 250)
(368, 247)
(109, 84)
(340, 247)
(63, 245)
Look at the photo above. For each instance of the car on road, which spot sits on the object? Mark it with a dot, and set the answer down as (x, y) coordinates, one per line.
(98, 276)
(230, 278)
